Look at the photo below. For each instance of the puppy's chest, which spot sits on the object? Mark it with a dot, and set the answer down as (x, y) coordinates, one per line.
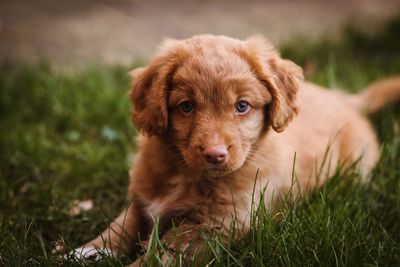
(200, 199)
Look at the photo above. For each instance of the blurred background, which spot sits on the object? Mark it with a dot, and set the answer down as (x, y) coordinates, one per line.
(74, 32)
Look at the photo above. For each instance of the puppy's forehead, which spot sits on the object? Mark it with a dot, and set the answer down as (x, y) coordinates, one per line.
(215, 56)
(214, 73)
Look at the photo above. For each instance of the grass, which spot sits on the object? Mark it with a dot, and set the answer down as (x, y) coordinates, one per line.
(68, 136)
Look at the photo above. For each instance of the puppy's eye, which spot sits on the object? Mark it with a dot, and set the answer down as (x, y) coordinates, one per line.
(186, 107)
(242, 107)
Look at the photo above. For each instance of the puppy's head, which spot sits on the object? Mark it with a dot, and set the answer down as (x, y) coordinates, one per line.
(213, 97)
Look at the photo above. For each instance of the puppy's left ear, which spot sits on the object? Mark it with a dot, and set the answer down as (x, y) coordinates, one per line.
(281, 77)
(151, 86)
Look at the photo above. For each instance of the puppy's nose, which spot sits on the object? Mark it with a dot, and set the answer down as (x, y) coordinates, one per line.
(215, 155)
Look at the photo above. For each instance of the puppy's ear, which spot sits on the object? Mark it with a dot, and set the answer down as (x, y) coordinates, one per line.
(151, 87)
(281, 77)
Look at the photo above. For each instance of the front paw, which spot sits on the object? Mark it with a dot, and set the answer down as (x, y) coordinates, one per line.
(88, 253)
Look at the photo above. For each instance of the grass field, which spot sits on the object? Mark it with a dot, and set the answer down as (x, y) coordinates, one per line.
(68, 136)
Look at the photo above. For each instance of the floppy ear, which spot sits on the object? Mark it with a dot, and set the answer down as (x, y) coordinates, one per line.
(151, 87)
(281, 77)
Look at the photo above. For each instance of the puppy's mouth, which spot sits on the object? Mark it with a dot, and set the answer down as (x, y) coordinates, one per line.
(197, 164)
(218, 171)
(212, 170)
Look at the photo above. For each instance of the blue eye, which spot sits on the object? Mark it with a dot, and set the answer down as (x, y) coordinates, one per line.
(186, 107)
(242, 107)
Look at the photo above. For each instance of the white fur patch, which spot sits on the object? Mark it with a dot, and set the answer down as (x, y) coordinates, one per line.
(155, 208)
(89, 253)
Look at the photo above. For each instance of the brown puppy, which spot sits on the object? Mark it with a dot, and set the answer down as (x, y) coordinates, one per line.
(218, 116)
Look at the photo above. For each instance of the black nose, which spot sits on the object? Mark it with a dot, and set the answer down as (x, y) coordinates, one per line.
(215, 155)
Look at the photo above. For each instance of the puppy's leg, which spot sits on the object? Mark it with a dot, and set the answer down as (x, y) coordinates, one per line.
(359, 143)
(185, 239)
(119, 236)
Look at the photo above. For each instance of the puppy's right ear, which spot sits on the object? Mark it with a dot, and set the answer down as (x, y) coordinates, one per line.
(151, 86)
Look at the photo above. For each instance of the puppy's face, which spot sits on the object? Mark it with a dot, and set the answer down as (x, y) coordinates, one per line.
(216, 104)
(213, 97)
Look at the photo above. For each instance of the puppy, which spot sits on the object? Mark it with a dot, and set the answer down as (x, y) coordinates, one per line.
(221, 120)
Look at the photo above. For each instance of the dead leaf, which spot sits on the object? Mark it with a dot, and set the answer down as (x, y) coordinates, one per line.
(77, 206)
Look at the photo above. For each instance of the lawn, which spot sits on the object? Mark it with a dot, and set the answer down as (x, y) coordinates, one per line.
(68, 136)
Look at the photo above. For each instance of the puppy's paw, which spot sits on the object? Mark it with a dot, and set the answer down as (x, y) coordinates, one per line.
(89, 253)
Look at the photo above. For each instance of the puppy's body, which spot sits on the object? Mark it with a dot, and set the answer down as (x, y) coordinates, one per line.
(345, 136)
(217, 114)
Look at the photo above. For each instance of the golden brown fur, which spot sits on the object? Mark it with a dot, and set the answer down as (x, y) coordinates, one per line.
(171, 178)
